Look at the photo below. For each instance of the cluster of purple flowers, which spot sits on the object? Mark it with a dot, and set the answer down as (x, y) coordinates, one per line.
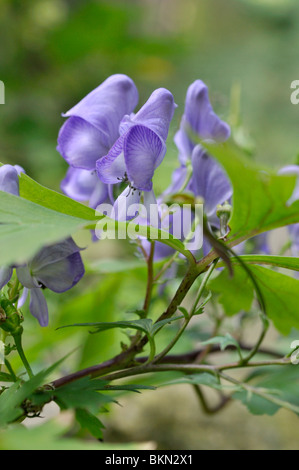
(108, 146)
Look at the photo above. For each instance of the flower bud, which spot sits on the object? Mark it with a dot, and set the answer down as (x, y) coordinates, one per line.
(10, 318)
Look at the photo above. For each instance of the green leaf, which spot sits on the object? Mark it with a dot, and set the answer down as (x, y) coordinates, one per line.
(223, 342)
(287, 262)
(281, 296)
(257, 405)
(130, 387)
(236, 293)
(12, 398)
(145, 325)
(26, 227)
(83, 393)
(278, 384)
(260, 196)
(204, 378)
(35, 192)
(280, 293)
(90, 422)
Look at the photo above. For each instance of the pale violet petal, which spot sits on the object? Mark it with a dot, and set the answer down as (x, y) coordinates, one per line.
(143, 152)
(38, 306)
(9, 181)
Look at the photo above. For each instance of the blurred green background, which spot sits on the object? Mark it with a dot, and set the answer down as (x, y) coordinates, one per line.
(53, 52)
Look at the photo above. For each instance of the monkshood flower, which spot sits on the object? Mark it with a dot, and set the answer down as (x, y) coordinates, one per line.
(200, 119)
(139, 150)
(208, 181)
(92, 126)
(58, 267)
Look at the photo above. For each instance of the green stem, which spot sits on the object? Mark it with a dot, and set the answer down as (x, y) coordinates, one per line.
(255, 349)
(187, 320)
(18, 343)
(10, 370)
(150, 278)
(261, 393)
(224, 400)
(189, 368)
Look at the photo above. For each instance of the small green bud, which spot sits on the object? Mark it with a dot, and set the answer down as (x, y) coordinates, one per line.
(224, 210)
(224, 213)
(10, 318)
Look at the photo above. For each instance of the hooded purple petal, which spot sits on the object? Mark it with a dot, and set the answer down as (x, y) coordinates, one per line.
(52, 254)
(105, 106)
(58, 267)
(5, 275)
(38, 306)
(62, 275)
(93, 124)
(199, 118)
(9, 181)
(141, 147)
(209, 180)
(143, 152)
(156, 113)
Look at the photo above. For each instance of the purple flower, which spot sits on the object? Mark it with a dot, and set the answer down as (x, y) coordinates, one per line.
(208, 180)
(200, 119)
(139, 150)
(92, 126)
(9, 181)
(58, 267)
